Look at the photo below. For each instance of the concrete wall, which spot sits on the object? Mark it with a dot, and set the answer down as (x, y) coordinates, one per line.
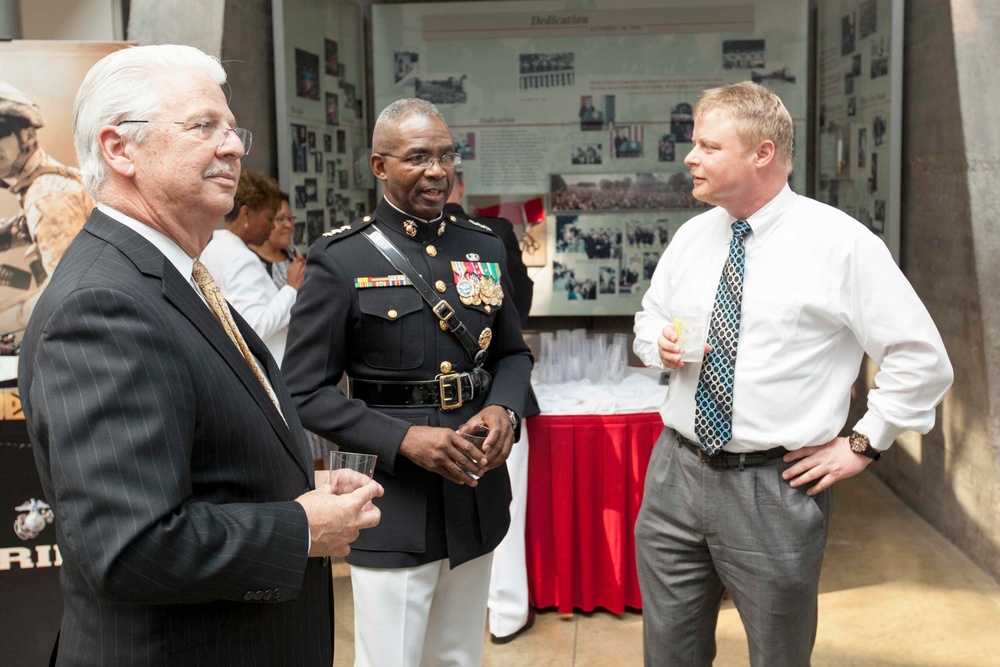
(239, 33)
(950, 249)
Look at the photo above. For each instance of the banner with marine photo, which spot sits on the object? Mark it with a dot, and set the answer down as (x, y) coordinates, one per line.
(43, 202)
(43, 205)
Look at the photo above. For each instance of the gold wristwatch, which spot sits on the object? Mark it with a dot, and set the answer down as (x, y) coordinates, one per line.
(860, 444)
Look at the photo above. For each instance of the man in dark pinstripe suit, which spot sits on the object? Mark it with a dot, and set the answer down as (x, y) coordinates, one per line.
(186, 509)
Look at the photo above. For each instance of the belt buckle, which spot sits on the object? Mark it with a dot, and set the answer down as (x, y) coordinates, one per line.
(450, 390)
(443, 310)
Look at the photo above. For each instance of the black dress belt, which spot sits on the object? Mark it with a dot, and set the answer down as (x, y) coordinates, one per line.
(447, 391)
(730, 459)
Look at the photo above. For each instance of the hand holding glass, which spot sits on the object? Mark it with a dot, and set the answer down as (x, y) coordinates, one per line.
(692, 333)
(338, 462)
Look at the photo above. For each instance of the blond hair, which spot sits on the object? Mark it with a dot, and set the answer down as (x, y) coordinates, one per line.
(759, 115)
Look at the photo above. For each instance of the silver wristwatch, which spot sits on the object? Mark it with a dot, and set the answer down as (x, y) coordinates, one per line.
(513, 418)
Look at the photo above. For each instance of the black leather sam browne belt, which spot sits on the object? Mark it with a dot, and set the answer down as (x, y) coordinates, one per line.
(447, 392)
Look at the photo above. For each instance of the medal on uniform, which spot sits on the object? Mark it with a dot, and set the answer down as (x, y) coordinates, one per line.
(410, 228)
(466, 290)
(478, 283)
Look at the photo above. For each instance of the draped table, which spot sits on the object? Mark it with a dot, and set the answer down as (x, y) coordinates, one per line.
(587, 460)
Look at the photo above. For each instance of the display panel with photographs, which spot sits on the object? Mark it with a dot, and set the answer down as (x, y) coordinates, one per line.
(319, 66)
(858, 147)
(591, 104)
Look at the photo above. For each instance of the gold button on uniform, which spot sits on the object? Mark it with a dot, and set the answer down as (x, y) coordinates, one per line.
(440, 286)
(445, 366)
(443, 325)
(432, 251)
(392, 314)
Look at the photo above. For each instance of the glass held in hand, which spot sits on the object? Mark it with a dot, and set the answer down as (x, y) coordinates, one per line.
(692, 333)
(476, 437)
(349, 470)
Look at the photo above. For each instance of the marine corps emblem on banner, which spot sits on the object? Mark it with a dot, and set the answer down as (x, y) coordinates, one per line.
(478, 283)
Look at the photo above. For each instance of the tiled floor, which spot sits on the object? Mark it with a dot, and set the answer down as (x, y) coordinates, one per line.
(893, 593)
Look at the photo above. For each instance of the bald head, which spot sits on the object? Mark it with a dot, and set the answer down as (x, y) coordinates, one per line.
(383, 138)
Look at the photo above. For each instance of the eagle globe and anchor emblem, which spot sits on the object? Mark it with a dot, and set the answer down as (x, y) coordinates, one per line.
(36, 516)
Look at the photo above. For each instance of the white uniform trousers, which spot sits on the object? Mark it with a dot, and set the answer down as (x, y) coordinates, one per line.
(424, 616)
(508, 602)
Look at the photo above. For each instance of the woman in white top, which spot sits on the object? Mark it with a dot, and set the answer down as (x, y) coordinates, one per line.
(239, 272)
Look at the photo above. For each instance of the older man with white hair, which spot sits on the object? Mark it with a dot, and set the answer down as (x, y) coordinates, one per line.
(186, 511)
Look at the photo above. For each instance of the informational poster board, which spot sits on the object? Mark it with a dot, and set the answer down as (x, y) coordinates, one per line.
(860, 111)
(576, 119)
(323, 143)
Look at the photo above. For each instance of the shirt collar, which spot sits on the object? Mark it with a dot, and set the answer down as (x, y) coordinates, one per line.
(766, 219)
(173, 252)
(410, 215)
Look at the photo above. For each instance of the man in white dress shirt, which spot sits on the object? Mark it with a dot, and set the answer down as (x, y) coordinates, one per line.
(737, 493)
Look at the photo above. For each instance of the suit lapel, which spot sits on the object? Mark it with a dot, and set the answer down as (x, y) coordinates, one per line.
(180, 292)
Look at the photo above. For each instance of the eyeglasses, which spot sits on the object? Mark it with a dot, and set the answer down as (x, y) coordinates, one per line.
(207, 131)
(425, 160)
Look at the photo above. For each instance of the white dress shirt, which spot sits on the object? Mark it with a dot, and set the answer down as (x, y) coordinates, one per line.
(246, 284)
(820, 290)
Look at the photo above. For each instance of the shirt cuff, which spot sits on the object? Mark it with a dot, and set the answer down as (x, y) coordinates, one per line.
(880, 432)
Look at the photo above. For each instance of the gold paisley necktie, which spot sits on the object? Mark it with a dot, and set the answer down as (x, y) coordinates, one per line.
(221, 309)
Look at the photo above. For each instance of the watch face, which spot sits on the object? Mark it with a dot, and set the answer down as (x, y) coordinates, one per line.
(859, 443)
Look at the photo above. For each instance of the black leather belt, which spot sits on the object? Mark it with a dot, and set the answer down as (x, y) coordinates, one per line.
(730, 459)
(447, 391)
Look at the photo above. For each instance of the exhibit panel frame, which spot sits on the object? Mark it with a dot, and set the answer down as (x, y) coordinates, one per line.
(588, 111)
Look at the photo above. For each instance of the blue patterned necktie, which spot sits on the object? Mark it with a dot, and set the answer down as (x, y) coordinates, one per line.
(713, 415)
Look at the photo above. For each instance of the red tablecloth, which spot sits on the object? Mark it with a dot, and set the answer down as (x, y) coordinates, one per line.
(585, 479)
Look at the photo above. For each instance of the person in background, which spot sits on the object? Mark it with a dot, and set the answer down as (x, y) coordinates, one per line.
(239, 272)
(420, 380)
(509, 613)
(277, 252)
(166, 442)
(738, 489)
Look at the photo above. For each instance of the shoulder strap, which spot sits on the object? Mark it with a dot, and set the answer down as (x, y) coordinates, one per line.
(439, 306)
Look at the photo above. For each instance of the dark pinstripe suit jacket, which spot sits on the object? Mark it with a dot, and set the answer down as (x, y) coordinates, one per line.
(171, 474)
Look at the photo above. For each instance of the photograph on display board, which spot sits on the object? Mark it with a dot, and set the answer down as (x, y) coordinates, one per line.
(465, 145)
(682, 122)
(341, 141)
(300, 196)
(314, 224)
(780, 75)
(311, 190)
(868, 19)
(627, 141)
(586, 154)
(43, 203)
(546, 70)
(327, 143)
(306, 74)
(621, 192)
(445, 90)
(318, 161)
(596, 111)
(847, 25)
(666, 151)
(574, 280)
(332, 109)
(332, 60)
(404, 62)
(298, 236)
(596, 237)
(300, 148)
(743, 53)
(331, 171)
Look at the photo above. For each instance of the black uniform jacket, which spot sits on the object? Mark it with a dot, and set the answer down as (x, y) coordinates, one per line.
(340, 326)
